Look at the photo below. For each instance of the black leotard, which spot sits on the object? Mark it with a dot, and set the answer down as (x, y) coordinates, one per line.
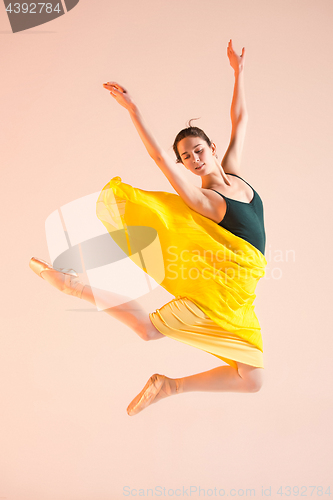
(246, 220)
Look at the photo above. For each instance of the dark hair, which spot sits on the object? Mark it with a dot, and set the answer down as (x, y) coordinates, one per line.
(189, 132)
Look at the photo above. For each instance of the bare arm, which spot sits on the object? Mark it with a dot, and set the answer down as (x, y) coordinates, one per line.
(124, 99)
(238, 105)
(192, 195)
(172, 171)
(153, 149)
(239, 116)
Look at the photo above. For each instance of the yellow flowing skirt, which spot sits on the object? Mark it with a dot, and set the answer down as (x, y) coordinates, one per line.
(182, 320)
(212, 271)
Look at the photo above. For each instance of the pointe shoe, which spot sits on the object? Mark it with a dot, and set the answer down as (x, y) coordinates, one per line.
(148, 394)
(71, 288)
(39, 265)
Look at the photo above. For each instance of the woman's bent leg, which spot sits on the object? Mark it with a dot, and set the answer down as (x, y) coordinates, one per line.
(221, 379)
(224, 379)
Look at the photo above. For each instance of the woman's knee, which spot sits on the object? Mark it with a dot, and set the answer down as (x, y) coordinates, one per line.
(147, 331)
(257, 381)
(252, 376)
(152, 332)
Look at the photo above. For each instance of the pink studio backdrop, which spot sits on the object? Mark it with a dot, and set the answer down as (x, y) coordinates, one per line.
(68, 372)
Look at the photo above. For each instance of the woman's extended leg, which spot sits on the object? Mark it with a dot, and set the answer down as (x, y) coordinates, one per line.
(129, 312)
(221, 379)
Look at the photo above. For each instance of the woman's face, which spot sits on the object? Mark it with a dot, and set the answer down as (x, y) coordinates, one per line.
(196, 155)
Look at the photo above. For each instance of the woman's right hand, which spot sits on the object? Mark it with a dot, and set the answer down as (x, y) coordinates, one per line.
(121, 95)
(236, 62)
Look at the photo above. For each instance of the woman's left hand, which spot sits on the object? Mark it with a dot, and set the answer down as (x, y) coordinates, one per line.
(236, 62)
(121, 95)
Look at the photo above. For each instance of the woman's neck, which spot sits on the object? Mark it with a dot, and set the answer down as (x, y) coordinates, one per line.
(215, 179)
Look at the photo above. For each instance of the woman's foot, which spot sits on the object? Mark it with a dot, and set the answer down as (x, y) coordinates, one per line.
(157, 387)
(65, 280)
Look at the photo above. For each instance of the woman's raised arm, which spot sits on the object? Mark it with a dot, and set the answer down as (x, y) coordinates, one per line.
(239, 117)
(192, 195)
(124, 99)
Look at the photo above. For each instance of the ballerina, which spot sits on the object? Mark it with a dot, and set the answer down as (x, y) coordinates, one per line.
(213, 312)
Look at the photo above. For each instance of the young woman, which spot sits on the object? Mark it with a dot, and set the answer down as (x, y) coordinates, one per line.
(213, 242)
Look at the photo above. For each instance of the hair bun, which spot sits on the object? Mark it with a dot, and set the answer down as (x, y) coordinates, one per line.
(189, 122)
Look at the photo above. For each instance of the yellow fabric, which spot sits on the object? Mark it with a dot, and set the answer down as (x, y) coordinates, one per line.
(180, 319)
(187, 254)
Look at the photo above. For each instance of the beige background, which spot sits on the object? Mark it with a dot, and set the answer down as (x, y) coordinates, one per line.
(67, 372)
